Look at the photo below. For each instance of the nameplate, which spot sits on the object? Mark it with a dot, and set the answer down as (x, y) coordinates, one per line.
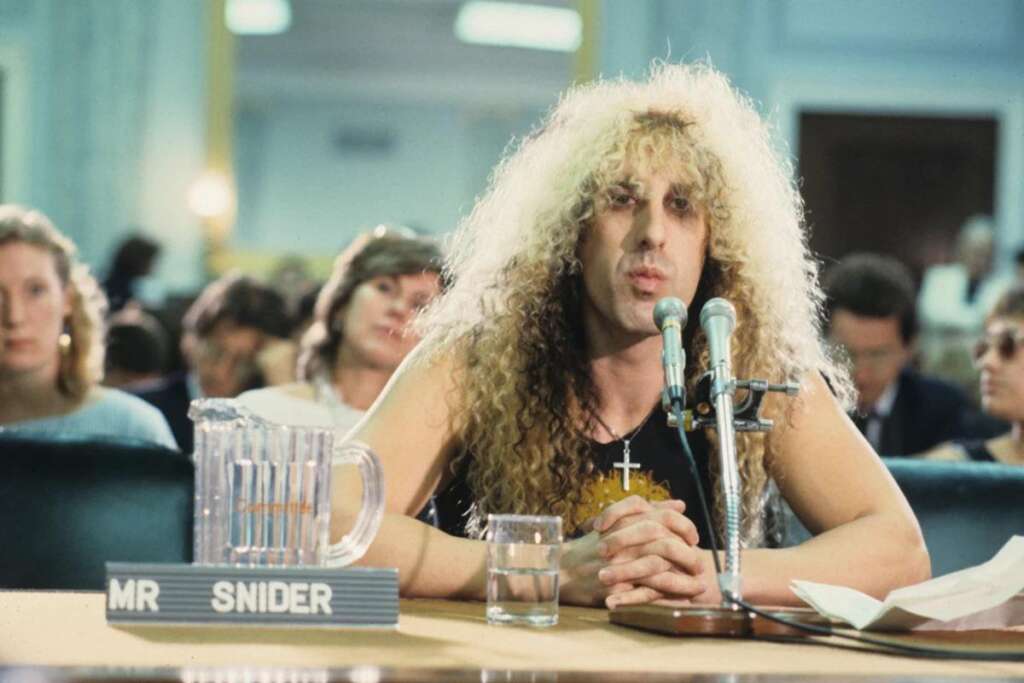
(202, 595)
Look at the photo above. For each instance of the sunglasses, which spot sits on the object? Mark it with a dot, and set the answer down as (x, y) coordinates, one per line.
(1005, 343)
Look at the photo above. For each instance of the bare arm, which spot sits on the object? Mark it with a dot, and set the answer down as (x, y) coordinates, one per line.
(867, 536)
(410, 429)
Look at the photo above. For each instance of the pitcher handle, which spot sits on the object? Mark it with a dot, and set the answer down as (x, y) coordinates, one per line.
(353, 545)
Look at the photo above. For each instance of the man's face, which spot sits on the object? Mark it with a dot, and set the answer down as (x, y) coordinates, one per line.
(225, 360)
(876, 349)
(646, 241)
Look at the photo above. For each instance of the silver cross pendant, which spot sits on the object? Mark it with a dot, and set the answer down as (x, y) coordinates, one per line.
(625, 465)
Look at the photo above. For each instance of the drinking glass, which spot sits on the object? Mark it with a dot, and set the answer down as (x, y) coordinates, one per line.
(523, 553)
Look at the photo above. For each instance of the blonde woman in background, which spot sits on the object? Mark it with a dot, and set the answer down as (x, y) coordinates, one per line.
(51, 344)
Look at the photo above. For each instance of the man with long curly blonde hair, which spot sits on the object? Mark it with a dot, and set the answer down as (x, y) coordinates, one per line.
(540, 372)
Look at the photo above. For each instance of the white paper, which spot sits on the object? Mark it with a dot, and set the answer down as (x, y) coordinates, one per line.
(985, 596)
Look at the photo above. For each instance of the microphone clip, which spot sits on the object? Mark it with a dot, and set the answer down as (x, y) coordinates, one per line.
(746, 415)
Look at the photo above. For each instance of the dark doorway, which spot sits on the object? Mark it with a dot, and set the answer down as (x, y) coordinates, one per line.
(899, 185)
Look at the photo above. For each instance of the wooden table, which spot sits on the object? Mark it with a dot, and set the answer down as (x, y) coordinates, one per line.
(436, 640)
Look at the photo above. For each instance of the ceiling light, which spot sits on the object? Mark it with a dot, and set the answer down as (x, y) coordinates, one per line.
(210, 196)
(258, 17)
(519, 25)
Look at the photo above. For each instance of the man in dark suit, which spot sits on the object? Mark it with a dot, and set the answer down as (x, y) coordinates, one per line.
(872, 318)
(235, 339)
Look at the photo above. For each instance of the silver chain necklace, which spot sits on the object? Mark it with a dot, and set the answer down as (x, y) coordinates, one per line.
(625, 465)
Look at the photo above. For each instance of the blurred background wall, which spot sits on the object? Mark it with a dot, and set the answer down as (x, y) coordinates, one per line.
(903, 118)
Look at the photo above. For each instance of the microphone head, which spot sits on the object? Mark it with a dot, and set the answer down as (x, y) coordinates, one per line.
(717, 308)
(669, 307)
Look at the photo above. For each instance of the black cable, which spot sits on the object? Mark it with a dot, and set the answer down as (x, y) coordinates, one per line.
(882, 646)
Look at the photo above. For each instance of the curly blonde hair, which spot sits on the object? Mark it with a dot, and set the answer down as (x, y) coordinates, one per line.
(513, 315)
(81, 365)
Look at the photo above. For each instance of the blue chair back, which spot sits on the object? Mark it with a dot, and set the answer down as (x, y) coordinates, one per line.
(67, 508)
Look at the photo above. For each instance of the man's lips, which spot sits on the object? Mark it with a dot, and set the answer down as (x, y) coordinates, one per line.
(646, 279)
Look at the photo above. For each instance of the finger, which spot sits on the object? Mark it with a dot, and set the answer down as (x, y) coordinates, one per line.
(676, 554)
(674, 584)
(633, 570)
(640, 595)
(673, 504)
(679, 524)
(645, 531)
(623, 508)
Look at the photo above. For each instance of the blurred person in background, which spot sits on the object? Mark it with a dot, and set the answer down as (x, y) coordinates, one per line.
(956, 296)
(872, 319)
(137, 347)
(235, 338)
(953, 301)
(360, 331)
(1000, 360)
(51, 343)
(304, 316)
(133, 262)
(292, 279)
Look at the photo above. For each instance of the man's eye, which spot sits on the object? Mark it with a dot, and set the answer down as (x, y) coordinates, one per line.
(620, 198)
(680, 204)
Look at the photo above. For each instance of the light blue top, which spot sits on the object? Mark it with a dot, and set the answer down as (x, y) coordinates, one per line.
(107, 414)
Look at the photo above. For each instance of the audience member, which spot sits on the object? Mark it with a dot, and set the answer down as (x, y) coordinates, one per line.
(136, 350)
(872, 319)
(291, 278)
(133, 261)
(360, 332)
(51, 343)
(999, 358)
(235, 339)
(956, 296)
(305, 311)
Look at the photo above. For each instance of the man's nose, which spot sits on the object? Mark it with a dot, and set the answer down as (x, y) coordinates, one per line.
(651, 226)
(861, 373)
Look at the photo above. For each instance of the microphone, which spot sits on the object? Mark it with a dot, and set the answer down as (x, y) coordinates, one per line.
(670, 317)
(718, 320)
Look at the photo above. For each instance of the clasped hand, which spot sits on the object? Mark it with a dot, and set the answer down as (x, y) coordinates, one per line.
(635, 552)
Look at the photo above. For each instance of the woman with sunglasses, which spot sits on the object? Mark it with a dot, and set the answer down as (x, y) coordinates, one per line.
(998, 357)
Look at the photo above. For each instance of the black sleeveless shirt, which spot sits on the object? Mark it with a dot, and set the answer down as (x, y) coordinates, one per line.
(663, 474)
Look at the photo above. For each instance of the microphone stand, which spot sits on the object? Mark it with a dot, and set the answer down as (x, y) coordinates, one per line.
(715, 393)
